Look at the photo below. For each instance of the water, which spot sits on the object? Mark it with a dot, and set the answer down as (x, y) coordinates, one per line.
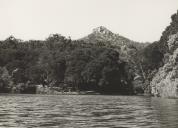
(82, 111)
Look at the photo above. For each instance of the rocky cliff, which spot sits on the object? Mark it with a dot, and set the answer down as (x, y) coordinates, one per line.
(165, 81)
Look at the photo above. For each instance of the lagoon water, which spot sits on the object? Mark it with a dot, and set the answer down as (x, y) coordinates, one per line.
(87, 111)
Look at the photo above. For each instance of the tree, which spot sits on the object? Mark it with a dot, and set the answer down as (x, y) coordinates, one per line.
(5, 80)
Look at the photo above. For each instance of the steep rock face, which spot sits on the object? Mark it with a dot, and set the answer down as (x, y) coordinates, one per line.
(165, 81)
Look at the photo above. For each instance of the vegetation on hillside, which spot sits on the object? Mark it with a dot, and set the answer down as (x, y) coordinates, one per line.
(61, 62)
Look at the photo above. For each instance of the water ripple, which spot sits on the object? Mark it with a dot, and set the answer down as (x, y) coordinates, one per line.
(80, 111)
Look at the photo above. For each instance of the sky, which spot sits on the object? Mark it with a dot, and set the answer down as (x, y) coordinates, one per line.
(138, 20)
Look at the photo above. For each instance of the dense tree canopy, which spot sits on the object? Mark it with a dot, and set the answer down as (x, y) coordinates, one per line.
(61, 62)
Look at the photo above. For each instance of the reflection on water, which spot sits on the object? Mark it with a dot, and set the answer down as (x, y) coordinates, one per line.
(81, 111)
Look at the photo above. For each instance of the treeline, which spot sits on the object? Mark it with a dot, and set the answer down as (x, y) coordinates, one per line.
(63, 63)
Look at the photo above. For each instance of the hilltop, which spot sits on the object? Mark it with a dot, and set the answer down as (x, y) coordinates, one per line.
(103, 35)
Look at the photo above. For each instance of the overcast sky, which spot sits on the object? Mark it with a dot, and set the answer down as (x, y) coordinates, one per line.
(139, 20)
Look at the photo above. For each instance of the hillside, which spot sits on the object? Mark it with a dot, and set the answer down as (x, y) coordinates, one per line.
(127, 48)
(102, 62)
(62, 64)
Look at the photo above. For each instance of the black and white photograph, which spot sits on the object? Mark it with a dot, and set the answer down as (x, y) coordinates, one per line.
(88, 63)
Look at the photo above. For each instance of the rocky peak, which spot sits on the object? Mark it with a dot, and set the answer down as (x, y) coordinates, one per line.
(102, 34)
(102, 30)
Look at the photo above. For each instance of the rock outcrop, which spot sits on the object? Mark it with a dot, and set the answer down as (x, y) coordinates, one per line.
(165, 81)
